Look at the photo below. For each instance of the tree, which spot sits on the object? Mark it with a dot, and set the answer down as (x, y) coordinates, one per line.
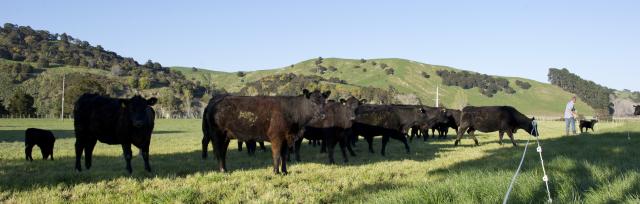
(389, 71)
(21, 104)
(43, 62)
(133, 82)
(4, 53)
(3, 110)
(425, 75)
(240, 74)
(144, 83)
(363, 60)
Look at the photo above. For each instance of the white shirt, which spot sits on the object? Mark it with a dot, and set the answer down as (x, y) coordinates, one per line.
(568, 110)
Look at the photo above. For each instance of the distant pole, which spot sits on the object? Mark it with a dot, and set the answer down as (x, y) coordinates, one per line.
(437, 95)
(62, 109)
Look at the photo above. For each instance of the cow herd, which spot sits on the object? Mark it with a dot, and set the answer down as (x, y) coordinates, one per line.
(283, 121)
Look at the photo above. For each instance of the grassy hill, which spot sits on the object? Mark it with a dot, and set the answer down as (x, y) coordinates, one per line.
(541, 99)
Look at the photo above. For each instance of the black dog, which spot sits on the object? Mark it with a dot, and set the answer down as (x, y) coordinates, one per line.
(587, 124)
(43, 138)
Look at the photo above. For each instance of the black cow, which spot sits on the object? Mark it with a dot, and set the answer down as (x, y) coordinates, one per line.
(277, 119)
(637, 112)
(454, 121)
(587, 124)
(494, 118)
(333, 128)
(393, 121)
(113, 121)
(44, 139)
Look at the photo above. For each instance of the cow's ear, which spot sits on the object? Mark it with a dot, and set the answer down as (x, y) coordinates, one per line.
(306, 93)
(344, 102)
(152, 101)
(534, 118)
(326, 94)
(422, 110)
(363, 101)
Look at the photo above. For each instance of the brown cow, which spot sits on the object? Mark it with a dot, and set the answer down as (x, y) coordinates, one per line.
(277, 119)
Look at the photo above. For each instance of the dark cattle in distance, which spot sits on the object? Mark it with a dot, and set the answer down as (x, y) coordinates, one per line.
(587, 124)
(44, 139)
(637, 112)
(504, 119)
(393, 121)
(113, 121)
(277, 119)
(333, 128)
(453, 117)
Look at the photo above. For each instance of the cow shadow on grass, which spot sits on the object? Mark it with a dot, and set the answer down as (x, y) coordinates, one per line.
(18, 174)
(579, 164)
(18, 135)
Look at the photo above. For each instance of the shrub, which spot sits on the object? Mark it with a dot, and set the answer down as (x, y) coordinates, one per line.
(389, 71)
(523, 84)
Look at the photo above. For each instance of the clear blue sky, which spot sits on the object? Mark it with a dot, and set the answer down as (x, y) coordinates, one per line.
(599, 40)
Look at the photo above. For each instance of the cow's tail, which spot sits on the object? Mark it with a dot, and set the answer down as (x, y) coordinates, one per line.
(209, 123)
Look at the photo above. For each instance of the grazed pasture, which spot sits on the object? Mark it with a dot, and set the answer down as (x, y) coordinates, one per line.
(597, 167)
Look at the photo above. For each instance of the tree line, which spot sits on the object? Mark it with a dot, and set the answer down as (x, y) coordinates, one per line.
(488, 85)
(593, 94)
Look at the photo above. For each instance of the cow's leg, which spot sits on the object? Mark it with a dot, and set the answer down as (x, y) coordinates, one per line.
(27, 152)
(262, 148)
(284, 154)
(276, 148)
(403, 139)
(145, 156)
(511, 137)
(460, 134)
(79, 147)
(370, 141)
(126, 148)
(239, 146)
(473, 136)
(331, 145)
(88, 153)
(251, 147)
(298, 145)
(500, 136)
(347, 140)
(343, 146)
(205, 146)
(221, 152)
(323, 144)
(385, 140)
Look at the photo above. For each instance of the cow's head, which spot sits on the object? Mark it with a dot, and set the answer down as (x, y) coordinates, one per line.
(350, 105)
(47, 151)
(317, 101)
(432, 116)
(533, 127)
(637, 112)
(138, 110)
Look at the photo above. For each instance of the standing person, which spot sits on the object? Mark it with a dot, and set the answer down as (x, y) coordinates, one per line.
(570, 116)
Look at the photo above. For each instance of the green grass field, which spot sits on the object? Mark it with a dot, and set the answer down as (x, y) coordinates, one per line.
(600, 167)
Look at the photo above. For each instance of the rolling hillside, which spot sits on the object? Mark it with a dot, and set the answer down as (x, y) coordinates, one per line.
(541, 99)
